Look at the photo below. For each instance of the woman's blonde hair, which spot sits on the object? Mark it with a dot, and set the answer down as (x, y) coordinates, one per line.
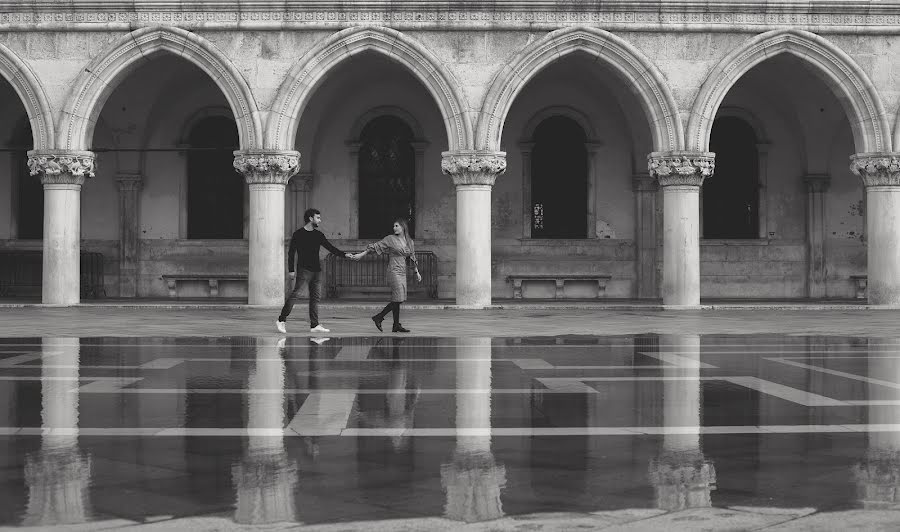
(405, 226)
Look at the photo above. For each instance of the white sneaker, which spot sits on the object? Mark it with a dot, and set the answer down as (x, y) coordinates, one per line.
(280, 326)
(319, 329)
(280, 343)
(319, 341)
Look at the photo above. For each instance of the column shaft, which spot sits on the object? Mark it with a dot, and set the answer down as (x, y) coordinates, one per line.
(129, 227)
(816, 185)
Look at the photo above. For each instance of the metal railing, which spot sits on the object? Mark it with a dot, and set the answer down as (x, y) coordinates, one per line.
(21, 273)
(369, 272)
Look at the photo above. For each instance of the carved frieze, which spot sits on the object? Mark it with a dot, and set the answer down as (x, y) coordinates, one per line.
(267, 167)
(473, 167)
(877, 169)
(681, 168)
(61, 167)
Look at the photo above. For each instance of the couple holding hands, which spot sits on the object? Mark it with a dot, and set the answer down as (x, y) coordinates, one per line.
(305, 244)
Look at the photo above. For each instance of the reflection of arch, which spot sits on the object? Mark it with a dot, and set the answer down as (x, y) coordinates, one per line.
(846, 79)
(31, 93)
(101, 77)
(647, 82)
(309, 72)
(390, 110)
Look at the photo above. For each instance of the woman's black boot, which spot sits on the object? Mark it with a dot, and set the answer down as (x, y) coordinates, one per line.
(378, 320)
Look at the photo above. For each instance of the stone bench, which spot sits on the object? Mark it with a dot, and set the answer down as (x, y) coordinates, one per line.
(560, 280)
(862, 283)
(212, 278)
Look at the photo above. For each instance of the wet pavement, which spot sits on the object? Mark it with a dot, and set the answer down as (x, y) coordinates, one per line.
(618, 432)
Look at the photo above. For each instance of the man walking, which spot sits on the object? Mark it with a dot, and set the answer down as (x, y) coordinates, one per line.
(305, 243)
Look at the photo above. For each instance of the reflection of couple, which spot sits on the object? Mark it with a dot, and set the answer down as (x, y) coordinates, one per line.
(305, 243)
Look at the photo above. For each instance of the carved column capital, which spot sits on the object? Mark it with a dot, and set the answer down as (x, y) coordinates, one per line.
(817, 182)
(470, 167)
(267, 167)
(129, 182)
(61, 167)
(681, 168)
(302, 182)
(877, 169)
(644, 183)
(682, 480)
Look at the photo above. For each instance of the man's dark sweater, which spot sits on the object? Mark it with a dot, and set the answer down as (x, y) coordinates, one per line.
(306, 245)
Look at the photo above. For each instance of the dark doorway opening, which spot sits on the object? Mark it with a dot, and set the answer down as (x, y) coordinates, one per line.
(387, 177)
(215, 189)
(30, 192)
(731, 196)
(559, 180)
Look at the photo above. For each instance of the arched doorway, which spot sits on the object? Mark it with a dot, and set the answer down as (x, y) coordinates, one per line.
(215, 191)
(559, 180)
(387, 176)
(731, 197)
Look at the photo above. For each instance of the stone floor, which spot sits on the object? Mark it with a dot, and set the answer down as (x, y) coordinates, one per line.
(542, 419)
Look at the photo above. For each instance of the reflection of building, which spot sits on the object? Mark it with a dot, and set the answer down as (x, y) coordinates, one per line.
(681, 476)
(473, 480)
(59, 474)
(265, 478)
(878, 476)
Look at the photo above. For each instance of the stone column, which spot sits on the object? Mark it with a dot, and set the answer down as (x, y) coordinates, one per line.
(474, 174)
(645, 188)
(880, 173)
(816, 186)
(62, 173)
(473, 480)
(680, 175)
(129, 232)
(267, 173)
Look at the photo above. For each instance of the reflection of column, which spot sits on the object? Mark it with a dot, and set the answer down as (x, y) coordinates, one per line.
(645, 188)
(816, 186)
(680, 176)
(265, 477)
(58, 475)
(473, 480)
(880, 173)
(266, 173)
(129, 231)
(680, 475)
(300, 186)
(62, 173)
(473, 173)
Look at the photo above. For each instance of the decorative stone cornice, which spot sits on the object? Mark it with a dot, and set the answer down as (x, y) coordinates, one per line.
(877, 169)
(267, 167)
(471, 167)
(61, 167)
(681, 168)
(817, 182)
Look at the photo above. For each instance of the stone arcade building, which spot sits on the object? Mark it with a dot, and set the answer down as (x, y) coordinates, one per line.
(685, 149)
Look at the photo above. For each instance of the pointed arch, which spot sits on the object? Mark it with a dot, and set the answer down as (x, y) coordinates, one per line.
(311, 70)
(100, 78)
(849, 83)
(31, 93)
(645, 80)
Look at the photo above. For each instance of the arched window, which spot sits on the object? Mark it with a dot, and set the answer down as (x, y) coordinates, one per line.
(387, 176)
(215, 191)
(731, 197)
(559, 180)
(29, 191)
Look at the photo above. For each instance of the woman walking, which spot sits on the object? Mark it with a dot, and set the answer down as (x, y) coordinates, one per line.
(399, 246)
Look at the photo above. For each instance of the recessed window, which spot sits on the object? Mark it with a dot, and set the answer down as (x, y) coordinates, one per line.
(731, 196)
(215, 190)
(559, 180)
(387, 176)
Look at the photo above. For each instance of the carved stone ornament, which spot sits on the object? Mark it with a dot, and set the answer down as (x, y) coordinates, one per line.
(681, 168)
(877, 169)
(468, 167)
(267, 168)
(61, 167)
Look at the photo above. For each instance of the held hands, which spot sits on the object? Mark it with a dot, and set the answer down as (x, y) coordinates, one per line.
(355, 256)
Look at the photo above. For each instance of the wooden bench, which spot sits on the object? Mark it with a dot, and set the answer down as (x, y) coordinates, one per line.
(369, 273)
(862, 283)
(212, 278)
(560, 280)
